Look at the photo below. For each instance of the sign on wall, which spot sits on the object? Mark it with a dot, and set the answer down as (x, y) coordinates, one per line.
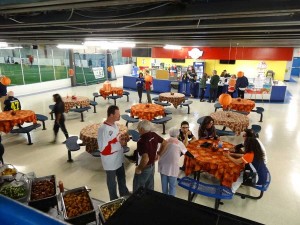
(98, 72)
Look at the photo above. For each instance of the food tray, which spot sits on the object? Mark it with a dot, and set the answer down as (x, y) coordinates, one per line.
(43, 203)
(21, 183)
(12, 171)
(83, 218)
(102, 208)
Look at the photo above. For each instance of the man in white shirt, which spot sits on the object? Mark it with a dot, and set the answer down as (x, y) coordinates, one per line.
(112, 155)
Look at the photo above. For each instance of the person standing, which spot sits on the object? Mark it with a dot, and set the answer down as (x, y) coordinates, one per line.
(185, 80)
(59, 122)
(12, 103)
(148, 85)
(147, 153)
(231, 85)
(193, 79)
(168, 162)
(241, 84)
(203, 86)
(214, 81)
(140, 86)
(3, 95)
(31, 60)
(111, 145)
(1, 153)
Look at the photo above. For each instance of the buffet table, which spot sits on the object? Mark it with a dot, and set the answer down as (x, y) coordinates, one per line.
(9, 120)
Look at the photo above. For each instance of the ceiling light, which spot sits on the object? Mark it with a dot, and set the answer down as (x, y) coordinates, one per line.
(69, 46)
(173, 47)
(11, 47)
(3, 44)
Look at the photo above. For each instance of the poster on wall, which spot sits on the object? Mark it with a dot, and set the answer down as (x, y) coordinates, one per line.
(98, 72)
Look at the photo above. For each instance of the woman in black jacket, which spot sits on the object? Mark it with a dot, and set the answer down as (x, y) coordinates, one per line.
(241, 84)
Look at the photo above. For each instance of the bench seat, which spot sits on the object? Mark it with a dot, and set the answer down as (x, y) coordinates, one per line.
(26, 130)
(129, 119)
(42, 118)
(162, 103)
(187, 103)
(80, 110)
(162, 121)
(114, 97)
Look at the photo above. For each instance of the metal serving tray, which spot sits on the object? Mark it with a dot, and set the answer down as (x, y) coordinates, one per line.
(8, 177)
(44, 203)
(84, 218)
(108, 204)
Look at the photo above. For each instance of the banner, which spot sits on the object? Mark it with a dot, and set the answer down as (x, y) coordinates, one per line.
(98, 72)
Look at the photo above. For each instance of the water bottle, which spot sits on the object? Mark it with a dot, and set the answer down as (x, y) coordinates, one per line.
(220, 144)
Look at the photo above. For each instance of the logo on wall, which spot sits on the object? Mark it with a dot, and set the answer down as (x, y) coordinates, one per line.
(195, 53)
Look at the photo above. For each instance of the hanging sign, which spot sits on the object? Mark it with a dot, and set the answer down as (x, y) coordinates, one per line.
(98, 72)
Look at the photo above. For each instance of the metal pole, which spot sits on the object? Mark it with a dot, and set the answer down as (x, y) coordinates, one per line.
(37, 55)
(21, 62)
(53, 64)
(72, 66)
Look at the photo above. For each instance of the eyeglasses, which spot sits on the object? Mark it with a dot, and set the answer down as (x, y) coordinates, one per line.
(244, 135)
(185, 127)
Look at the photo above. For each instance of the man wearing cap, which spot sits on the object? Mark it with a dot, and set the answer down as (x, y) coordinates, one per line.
(12, 103)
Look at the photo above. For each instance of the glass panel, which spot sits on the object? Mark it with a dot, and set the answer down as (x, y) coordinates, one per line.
(46, 63)
(30, 65)
(61, 63)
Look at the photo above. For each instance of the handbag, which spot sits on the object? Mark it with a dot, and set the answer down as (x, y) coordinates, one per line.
(249, 178)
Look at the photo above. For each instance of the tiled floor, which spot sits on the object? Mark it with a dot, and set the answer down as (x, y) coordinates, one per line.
(280, 135)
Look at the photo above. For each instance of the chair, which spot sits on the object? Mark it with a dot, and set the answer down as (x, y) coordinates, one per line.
(80, 110)
(187, 103)
(261, 188)
(217, 106)
(93, 103)
(224, 132)
(162, 121)
(114, 97)
(42, 118)
(129, 119)
(167, 112)
(164, 104)
(210, 190)
(96, 153)
(26, 130)
(155, 98)
(134, 135)
(96, 95)
(126, 93)
(200, 120)
(51, 107)
(72, 146)
(128, 110)
(259, 110)
(256, 129)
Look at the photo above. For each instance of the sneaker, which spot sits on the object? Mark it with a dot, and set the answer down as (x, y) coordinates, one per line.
(64, 142)
(52, 142)
(202, 100)
(209, 101)
(182, 168)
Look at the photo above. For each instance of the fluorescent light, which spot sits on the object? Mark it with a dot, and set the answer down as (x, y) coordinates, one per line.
(174, 47)
(69, 46)
(3, 44)
(11, 47)
(110, 44)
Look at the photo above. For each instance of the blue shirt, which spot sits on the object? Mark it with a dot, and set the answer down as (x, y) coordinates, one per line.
(139, 82)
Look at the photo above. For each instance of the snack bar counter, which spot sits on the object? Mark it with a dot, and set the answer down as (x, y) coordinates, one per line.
(154, 208)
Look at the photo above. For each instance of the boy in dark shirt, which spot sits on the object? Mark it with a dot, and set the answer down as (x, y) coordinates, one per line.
(12, 103)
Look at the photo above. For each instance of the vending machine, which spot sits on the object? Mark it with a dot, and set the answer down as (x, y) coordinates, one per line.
(199, 69)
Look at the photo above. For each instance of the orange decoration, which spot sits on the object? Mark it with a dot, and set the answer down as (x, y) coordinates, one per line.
(225, 99)
(240, 74)
(148, 78)
(71, 72)
(107, 86)
(109, 69)
(5, 81)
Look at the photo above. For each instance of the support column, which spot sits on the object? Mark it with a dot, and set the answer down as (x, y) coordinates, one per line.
(72, 66)
(108, 64)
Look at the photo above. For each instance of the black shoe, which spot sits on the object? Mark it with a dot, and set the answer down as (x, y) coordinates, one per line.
(182, 168)
(214, 101)
(202, 100)
(209, 101)
(64, 142)
(130, 157)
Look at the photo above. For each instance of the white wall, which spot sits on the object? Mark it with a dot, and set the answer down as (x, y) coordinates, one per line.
(123, 70)
(39, 87)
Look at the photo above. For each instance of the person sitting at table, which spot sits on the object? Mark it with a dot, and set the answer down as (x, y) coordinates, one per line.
(249, 133)
(12, 103)
(253, 159)
(207, 129)
(168, 162)
(59, 121)
(140, 85)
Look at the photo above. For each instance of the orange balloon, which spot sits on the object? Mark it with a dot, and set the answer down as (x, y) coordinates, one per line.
(240, 74)
(148, 78)
(109, 69)
(225, 99)
(71, 72)
(5, 81)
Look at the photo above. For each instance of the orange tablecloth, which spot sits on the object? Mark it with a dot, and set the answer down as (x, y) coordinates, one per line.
(147, 111)
(235, 121)
(243, 105)
(79, 101)
(89, 135)
(8, 121)
(113, 90)
(175, 99)
(212, 162)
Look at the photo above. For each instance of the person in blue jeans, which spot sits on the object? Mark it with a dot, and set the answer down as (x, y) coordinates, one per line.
(185, 80)
(140, 82)
(168, 162)
(147, 147)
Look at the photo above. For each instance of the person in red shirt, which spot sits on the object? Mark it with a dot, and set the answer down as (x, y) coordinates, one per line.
(147, 147)
(148, 84)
